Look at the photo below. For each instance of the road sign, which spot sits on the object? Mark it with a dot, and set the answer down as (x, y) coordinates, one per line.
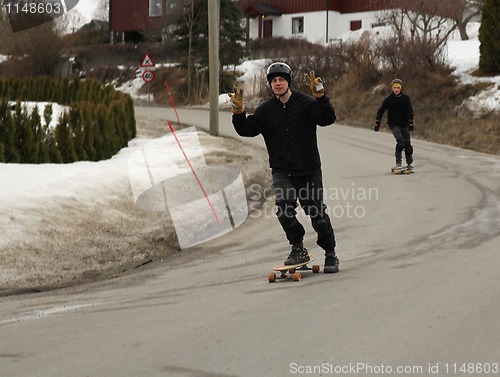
(147, 62)
(148, 76)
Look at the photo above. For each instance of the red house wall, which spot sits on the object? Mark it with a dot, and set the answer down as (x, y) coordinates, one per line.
(128, 15)
(125, 15)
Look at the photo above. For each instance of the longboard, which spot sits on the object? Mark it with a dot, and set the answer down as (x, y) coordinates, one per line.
(292, 270)
(401, 170)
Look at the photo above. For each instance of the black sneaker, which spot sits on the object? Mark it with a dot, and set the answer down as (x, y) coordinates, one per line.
(298, 255)
(331, 264)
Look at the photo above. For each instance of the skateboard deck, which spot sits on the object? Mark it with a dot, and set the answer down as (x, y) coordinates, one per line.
(292, 270)
(401, 170)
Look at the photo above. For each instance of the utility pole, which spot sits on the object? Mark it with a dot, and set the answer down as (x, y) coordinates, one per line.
(213, 63)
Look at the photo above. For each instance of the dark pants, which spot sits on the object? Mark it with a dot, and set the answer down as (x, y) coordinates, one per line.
(309, 192)
(403, 143)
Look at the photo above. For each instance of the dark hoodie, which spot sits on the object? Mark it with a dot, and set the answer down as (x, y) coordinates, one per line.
(400, 111)
(289, 131)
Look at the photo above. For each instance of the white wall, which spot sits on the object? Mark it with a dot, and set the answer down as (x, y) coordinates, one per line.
(343, 22)
(315, 25)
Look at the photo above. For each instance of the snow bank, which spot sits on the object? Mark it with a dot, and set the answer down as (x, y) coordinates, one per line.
(57, 110)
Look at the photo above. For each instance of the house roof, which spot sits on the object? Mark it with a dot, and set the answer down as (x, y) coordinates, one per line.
(96, 25)
(254, 9)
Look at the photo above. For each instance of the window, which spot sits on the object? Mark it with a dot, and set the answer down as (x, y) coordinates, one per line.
(297, 25)
(155, 8)
(173, 6)
(355, 25)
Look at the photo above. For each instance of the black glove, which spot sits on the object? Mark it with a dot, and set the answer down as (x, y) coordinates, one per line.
(376, 127)
(410, 127)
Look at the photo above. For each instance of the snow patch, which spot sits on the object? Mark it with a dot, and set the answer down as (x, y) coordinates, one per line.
(57, 110)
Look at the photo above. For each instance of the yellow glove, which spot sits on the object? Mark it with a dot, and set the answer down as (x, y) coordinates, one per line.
(316, 84)
(236, 99)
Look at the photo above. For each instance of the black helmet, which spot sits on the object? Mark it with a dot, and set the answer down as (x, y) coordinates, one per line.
(279, 69)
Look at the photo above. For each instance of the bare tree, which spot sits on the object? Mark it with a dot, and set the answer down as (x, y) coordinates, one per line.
(32, 52)
(465, 12)
(186, 36)
(423, 21)
(5, 29)
(421, 31)
(426, 18)
(101, 11)
(70, 22)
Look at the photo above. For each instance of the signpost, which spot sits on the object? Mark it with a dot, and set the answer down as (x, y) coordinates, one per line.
(148, 67)
(147, 62)
(148, 76)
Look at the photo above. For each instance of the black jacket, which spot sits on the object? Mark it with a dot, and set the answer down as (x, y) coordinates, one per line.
(289, 131)
(399, 110)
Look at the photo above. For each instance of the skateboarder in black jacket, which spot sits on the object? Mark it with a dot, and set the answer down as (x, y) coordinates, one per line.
(400, 121)
(288, 122)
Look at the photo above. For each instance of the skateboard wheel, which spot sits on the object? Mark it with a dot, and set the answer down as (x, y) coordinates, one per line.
(271, 278)
(316, 268)
(296, 276)
(291, 271)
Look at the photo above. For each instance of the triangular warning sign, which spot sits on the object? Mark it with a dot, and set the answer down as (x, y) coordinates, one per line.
(147, 61)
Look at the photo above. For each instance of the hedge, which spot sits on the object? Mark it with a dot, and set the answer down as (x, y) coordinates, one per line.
(100, 121)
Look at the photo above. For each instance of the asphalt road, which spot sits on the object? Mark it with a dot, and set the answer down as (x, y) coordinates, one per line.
(418, 292)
